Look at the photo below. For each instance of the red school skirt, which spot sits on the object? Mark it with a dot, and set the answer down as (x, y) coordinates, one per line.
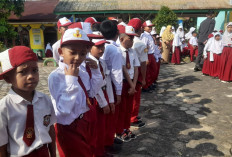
(226, 64)
(215, 65)
(206, 65)
(176, 55)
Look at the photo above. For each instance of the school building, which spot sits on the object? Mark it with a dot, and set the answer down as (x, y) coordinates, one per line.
(192, 12)
(37, 25)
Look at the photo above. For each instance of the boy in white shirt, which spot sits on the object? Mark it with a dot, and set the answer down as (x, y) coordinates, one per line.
(72, 93)
(105, 96)
(113, 59)
(130, 77)
(26, 115)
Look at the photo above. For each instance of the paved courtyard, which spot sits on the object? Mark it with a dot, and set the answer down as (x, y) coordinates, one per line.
(189, 115)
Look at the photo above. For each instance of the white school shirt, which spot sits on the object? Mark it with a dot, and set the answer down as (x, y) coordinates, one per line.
(193, 41)
(100, 97)
(134, 61)
(149, 42)
(55, 52)
(141, 49)
(68, 97)
(13, 115)
(113, 59)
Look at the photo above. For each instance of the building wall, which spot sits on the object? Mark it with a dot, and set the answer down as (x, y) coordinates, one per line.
(36, 36)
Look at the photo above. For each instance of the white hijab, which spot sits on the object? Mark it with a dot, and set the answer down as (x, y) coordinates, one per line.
(216, 46)
(227, 37)
(176, 42)
(180, 33)
(162, 30)
(173, 30)
(189, 34)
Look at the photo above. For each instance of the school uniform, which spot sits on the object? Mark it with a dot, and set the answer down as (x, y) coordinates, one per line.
(126, 100)
(71, 98)
(14, 111)
(151, 67)
(176, 49)
(215, 57)
(140, 49)
(226, 57)
(207, 55)
(113, 59)
(193, 52)
(103, 98)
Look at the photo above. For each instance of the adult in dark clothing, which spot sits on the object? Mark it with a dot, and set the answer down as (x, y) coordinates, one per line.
(206, 28)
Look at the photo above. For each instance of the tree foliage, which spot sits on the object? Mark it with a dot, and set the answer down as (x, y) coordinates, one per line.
(6, 8)
(165, 17)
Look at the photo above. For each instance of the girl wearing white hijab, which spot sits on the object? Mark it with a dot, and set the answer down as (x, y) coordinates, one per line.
(189, 34)
(48, 51)
(226, 56)
(212, 51)
(176, 49)
(215, 49)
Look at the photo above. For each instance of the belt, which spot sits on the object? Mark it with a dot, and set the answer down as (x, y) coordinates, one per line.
(103, 88)
(124, 80)
(81, 116)
(228, 46)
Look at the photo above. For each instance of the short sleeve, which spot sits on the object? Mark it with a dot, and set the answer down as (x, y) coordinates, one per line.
(3, 125)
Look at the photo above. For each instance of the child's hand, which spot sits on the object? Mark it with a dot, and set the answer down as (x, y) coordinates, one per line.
(147, 62)
(132, 91)
(72, 70)
(91, 63)
(143, 82)
(112, 108)
(106, 109)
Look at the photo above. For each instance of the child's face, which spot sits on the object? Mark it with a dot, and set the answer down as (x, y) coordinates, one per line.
(229, 29)
(73, 54)
(127, 41)
(148, 29)
(97, 51)
(25, 77)
(62, 30)
(194, 34)
(217, 37)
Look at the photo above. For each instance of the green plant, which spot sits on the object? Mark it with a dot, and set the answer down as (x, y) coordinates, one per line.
(2, 47)
(6, 8)
(165, 17)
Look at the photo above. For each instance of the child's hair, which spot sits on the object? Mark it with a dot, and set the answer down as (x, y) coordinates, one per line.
(96, 27)
(108, 29)
(194, 32)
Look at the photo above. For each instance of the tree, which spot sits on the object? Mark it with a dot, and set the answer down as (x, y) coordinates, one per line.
(165, 17)
(6, 8)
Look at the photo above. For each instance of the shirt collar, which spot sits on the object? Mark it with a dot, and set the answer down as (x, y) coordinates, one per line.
(18, 99)
(62, 65)
(146, 32)
(113, 42)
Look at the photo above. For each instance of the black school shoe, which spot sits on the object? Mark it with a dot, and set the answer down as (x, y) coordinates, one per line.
(130, 134)
(138, 124)
(124, 137)
(118, 140)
